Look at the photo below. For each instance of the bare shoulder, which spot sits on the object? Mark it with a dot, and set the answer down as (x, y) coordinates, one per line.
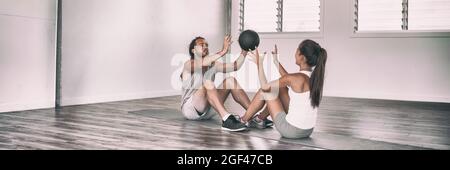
(188, 63)
(298, 82)
(296, 77)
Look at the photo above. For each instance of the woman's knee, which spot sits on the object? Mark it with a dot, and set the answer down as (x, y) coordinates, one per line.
(230, 83)
(209, 85)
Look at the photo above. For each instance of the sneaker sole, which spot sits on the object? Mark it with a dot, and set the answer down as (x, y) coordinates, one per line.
(258, 127)
(234, 130)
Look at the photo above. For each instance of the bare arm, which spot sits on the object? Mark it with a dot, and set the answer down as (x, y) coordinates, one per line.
(281, 69)
(230, 67)
(208, 60)
(259, 63)
(271, 89)
(284, 81)
(277, 63)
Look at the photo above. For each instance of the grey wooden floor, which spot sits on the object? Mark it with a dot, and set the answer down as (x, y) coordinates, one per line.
(412, 123)
(157, 124)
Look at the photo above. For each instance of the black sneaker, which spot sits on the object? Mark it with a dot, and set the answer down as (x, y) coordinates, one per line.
(268, 122)
(254, 123)
(232, 124)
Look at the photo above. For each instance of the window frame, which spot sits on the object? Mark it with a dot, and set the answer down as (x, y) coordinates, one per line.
(292, 35)
(391, 34)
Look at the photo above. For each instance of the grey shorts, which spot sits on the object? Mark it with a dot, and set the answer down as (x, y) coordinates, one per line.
(190, 113)
(289, 131)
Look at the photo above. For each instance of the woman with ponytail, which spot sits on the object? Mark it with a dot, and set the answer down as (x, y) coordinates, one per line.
(293, 100)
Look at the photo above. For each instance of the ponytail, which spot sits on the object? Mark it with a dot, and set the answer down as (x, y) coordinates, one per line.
(317, 79)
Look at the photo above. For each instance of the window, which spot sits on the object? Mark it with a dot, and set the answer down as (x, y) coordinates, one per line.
(261, 15)
(402, 15)
(301, 16)
(379, 15)
(280, 15)
(429, 14)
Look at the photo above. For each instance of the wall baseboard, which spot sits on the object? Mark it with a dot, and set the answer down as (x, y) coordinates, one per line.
(10, 107)
(26, 105)
(117, 97)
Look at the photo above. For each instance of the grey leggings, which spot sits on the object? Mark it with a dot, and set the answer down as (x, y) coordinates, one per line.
(287, 130)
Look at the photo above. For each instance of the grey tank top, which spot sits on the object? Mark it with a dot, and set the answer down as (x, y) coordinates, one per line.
(194, 82)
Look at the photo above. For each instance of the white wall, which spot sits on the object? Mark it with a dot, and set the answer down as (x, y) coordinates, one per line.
(120, 49)
(27, 54)
(411, 68)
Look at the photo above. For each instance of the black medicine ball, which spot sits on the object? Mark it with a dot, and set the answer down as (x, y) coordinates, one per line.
(249, 40)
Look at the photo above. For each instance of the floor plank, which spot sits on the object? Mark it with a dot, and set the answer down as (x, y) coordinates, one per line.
(370, 124)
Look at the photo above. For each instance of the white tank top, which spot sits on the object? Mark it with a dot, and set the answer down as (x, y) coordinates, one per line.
(301, 114)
